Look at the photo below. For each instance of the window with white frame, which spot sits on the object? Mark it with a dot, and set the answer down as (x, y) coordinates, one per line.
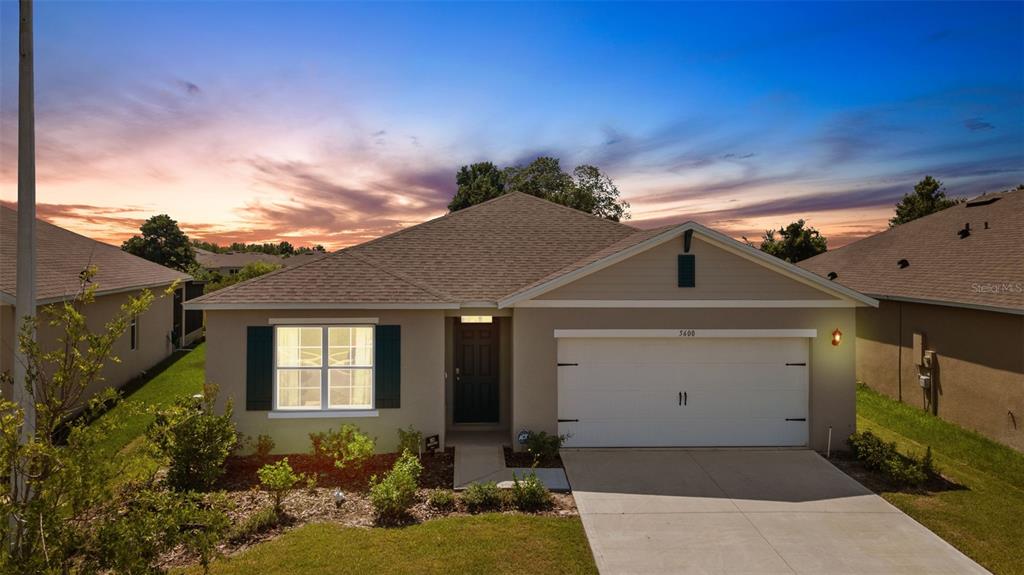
(324, 367)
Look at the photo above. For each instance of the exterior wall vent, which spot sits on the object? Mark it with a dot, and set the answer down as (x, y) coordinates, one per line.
(903, 263)
(832, 276)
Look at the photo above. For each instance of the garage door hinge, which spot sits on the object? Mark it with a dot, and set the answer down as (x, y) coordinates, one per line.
(796, 419)
(567, 420)
(567, 364)
(804, 363)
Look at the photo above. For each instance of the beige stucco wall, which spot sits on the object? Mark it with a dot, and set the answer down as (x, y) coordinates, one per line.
(980, 376)
(653, 274)
(153, 342)
(832, 379)
(423, 365)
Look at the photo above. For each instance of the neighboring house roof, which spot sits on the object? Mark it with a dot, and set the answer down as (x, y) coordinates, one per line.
(489, 254)
(213, 260)
(62, 254)
(982, 269)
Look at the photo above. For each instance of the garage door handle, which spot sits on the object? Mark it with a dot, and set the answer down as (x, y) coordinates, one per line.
(683, 399)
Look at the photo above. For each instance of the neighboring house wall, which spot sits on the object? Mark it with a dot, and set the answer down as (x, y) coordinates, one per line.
(980, 376)
(153, 344)
(422, 376)
(653, 275)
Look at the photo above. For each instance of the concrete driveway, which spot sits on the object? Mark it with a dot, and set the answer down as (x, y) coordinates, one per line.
(744, 511)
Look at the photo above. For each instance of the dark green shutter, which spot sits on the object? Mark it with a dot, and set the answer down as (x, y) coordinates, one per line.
(259, 368)
(388, 366)
(687, 270)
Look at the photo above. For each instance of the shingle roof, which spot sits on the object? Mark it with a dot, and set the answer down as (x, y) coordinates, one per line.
(478, 254)
(62, 254)
(984, 268)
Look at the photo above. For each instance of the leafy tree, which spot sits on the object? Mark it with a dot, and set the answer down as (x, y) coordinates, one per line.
(586, 189)
(928, 197)
(163, 242)
(794, 243)
(285, 248)
(67, 515)
(477, 183)
(216, 281)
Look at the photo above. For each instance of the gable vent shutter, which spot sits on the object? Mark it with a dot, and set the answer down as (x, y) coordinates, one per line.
(687, 270)
(388, 366)
(259, 368)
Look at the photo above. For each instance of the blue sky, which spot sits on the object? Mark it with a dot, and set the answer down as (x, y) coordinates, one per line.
(336, 122)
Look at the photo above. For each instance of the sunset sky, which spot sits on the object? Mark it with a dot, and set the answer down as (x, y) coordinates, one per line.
(334, 123)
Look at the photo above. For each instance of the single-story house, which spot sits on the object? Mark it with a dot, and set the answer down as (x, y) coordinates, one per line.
(520, 314)
(60, 256)
(230, 263)
(948, 334)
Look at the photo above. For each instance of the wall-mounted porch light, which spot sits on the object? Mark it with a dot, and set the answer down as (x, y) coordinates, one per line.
(477, 319)
(837, 336)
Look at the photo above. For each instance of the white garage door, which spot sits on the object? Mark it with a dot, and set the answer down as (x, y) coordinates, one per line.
(649, 392)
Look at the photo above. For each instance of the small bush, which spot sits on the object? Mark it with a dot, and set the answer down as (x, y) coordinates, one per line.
(442, 500)
(347, 446)
(543, 445)
(884, 458)
(194, 440)
(410, 439)
(278, 479)
(263, 445)
(482, 497)
(393, 495)
(529, 494)
(263, 520)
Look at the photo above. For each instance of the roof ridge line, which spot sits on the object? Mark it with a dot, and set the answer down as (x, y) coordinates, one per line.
(574, 210)
(432, 291)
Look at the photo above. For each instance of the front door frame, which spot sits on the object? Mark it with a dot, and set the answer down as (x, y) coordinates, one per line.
(485, 415)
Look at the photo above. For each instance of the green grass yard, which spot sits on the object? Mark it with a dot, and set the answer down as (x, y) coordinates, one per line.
(489, 543)
(984, 519)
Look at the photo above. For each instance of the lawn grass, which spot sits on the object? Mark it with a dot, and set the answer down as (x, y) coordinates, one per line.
(489, 543)
(984, 519)
(180, 375)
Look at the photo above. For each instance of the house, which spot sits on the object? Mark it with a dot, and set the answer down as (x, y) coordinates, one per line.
(230, 263)
(60, 256)
(948, 334)
(520, 314)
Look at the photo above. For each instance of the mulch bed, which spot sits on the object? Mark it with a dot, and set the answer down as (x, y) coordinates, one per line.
(877, 483)
(525, 459)
(240, 471)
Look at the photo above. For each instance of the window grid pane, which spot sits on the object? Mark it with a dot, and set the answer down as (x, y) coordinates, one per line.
(301, 381)
(350, 388)
(299, 347)
(350, 346)
(298, 388)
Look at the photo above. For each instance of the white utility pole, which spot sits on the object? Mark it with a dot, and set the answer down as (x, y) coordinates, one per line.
(25, 304)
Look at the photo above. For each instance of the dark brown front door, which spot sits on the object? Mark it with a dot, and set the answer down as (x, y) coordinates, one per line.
(476, 372)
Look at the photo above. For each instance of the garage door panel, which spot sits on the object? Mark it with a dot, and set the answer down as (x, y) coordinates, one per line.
(739, 391)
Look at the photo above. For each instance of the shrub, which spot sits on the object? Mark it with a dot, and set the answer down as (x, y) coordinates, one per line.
(482, 497)
(543, 445)
(529, 494)
(278, 479)
(264, 445)
(884, 458)
(442, 500)
(346, 446)
(263, 520)
(410, 440)
(393, 495)
(194, 440)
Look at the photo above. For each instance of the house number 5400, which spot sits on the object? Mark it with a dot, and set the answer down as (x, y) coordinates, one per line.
(687, 333)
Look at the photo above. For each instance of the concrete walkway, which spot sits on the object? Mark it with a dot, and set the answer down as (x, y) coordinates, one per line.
(480, 457)
(744, 511)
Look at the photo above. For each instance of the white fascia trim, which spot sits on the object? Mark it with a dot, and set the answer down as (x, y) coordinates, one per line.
(687, 303)
(321, 320)
(685, 333)
(721, 240)
(229, 306)
(322, 414)
(997, 309)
